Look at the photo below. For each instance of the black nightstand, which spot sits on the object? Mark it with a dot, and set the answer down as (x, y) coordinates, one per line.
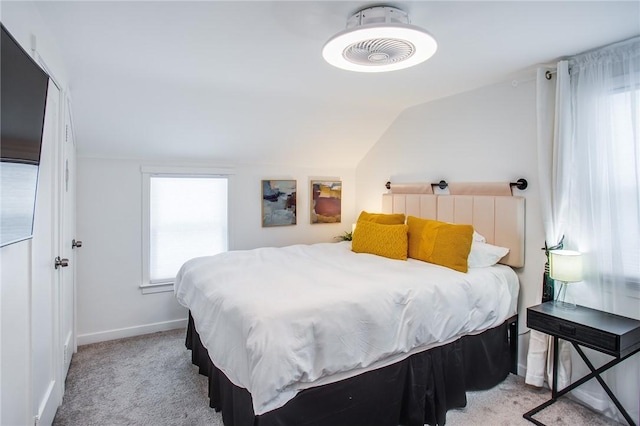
(611, 334)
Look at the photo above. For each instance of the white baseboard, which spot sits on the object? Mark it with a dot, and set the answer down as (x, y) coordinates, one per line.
(48, 405)
(103, 336)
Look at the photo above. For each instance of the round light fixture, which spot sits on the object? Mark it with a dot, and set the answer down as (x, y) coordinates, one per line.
(379, 39)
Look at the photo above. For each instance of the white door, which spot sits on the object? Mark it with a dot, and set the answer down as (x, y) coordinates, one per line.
(45, 355)
(68, 243)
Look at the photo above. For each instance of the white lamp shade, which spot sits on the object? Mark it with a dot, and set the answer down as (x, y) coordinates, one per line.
(565, 265)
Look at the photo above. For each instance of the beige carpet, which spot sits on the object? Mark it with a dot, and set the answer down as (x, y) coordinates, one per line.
(149, 380)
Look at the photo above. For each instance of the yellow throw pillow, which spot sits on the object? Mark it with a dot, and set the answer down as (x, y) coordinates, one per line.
(382, 218)
(442, 243)
(382, 240)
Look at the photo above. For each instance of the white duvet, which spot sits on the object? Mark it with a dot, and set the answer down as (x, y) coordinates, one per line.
(279, 320)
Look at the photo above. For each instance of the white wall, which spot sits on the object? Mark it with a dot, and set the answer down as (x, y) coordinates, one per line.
(486, 135)
(109, 222)
(23, 21)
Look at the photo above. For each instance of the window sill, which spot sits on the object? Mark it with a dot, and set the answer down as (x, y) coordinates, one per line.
(156, 288)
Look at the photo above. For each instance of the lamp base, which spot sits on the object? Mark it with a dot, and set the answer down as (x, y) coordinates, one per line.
(562, 300)
(564, 305)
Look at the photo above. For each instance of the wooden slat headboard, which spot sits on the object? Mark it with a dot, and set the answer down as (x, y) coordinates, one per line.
(500, 219)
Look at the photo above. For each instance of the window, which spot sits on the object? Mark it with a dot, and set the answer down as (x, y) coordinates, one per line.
(185, 216)
(18, 188)
(602, 166)
(625, 170)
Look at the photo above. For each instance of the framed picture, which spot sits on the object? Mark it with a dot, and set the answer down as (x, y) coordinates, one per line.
(278, 202)
(326, 201)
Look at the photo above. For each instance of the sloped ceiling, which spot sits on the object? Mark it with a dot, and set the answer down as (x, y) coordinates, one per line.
(244, 82)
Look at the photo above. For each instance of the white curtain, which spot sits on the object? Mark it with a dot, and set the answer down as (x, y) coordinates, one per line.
(597, 162)
(604, 202)
(553, 112)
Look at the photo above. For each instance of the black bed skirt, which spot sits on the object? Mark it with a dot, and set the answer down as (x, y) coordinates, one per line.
(417, 391)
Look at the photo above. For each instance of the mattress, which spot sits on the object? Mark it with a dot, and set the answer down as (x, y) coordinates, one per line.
(276, 321)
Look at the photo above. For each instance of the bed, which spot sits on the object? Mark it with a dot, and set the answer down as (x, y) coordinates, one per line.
(328, 336)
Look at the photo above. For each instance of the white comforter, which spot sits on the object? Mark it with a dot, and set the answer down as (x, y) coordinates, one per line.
(279, 320)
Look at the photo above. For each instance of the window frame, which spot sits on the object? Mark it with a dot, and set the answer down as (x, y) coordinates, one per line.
(146, 286)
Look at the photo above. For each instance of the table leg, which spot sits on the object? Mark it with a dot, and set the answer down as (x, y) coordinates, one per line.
(554, 388)
(595, 373)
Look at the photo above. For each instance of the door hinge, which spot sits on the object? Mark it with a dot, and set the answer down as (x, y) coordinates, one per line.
(59, 262)
(36, 419)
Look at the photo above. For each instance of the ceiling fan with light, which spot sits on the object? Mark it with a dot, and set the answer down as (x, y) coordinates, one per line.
(379, 39)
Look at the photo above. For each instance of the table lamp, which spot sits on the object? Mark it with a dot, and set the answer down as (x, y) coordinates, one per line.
(565, 266)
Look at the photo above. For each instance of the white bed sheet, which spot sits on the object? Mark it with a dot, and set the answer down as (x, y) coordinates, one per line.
(279, 320)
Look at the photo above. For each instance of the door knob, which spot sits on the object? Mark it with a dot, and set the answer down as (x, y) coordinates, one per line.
(75, 244)
(61, 262)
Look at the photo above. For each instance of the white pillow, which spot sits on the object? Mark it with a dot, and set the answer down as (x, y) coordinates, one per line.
(478, 237)
(483, 254)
